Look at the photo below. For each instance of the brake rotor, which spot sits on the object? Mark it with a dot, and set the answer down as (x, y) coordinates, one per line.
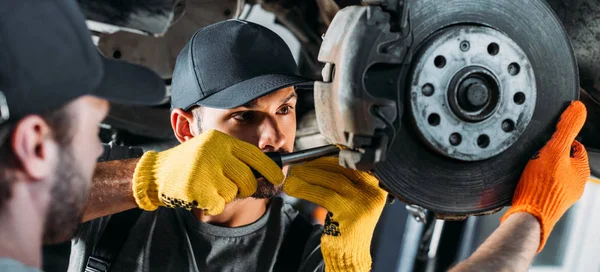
(488, 82)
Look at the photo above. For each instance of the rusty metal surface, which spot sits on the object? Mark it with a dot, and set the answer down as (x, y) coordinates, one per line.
(308, 21)
(151, 122)
(307, 133)
(418, 175)
(581, 19)
(302, 18)
(594, 158)
(356, 103)
(590, 134)
(152, 17)
(160, 53)
(327, 10)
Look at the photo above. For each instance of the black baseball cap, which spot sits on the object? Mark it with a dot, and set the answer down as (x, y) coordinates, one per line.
(230, 63)
(47, 58)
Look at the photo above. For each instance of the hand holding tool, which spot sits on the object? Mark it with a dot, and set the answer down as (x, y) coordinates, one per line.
(354, 202)
(205, 172)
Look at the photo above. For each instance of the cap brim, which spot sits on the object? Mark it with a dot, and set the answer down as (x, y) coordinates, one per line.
(250, 89)
(131, 84)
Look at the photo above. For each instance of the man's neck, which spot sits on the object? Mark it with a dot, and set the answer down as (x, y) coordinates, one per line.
(238, 213)
(21, 229)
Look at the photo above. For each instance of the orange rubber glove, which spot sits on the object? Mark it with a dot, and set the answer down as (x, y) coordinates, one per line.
(555, 177)
(354, 202)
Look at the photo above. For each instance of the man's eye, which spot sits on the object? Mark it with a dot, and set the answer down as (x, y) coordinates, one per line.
(284, 110)
(246, 116)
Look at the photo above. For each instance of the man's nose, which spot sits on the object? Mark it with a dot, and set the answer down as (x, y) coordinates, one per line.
(271, 137)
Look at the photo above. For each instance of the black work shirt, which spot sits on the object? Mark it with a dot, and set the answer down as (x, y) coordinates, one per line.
(174, 240)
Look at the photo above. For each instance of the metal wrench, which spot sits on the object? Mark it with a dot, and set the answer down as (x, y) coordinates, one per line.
(300, 156)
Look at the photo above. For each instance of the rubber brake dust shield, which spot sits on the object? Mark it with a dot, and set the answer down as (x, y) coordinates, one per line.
(487, 83)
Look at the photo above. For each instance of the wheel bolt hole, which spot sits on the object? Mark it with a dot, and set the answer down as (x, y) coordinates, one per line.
(519, 98)
(493, 49)
(439, 61)
(455, 139)
(434, 119)
(508, 125)
(514, 69)
(465, 46)
(428, 90)
(483, 141)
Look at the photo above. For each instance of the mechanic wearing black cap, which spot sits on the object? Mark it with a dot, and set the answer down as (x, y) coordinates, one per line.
(53, 90)
(233, 99)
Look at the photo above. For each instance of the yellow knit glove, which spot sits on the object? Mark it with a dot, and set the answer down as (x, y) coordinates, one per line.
(205, 172)
(354, 203)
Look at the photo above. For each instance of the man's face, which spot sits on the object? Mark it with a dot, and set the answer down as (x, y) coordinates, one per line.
(75, 168)
(268, 122)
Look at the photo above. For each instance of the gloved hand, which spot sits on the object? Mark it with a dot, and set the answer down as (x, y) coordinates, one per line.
(555, 177)
(205, 172)
(354, 203)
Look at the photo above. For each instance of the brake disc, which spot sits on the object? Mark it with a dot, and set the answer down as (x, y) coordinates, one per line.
(488, 82)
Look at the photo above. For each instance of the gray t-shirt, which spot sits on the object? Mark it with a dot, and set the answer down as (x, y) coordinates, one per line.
(174, 240)
(7, 264)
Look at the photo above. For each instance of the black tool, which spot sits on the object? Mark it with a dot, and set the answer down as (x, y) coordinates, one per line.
(300, 156)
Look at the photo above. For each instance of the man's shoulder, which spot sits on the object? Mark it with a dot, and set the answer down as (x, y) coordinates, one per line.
(93, 231)
(109, 235)
(95, 226)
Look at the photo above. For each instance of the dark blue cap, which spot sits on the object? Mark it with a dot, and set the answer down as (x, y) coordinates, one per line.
(230, 63)
(47, 58)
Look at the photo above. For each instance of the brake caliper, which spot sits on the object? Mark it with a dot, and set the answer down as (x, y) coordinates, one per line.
(359, 102)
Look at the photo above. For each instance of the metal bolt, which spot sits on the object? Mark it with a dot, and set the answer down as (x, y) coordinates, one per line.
(418, 213)
(428, 90)
(478, 94)
(465, 46)
(455, 139)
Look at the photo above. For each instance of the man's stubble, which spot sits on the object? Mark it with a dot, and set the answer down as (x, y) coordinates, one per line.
(69, 196)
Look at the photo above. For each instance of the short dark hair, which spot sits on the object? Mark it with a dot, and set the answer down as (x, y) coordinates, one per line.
(197, 111)
(59, 120)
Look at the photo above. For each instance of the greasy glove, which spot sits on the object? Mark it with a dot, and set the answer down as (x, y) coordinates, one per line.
(354, 203)
(205, 172)
(555, 177)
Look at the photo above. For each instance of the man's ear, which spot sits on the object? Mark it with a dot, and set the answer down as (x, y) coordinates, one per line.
(34, 147)
(182, 123)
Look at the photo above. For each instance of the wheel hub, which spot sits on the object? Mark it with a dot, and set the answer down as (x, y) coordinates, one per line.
(473, 92)
(418, 174)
